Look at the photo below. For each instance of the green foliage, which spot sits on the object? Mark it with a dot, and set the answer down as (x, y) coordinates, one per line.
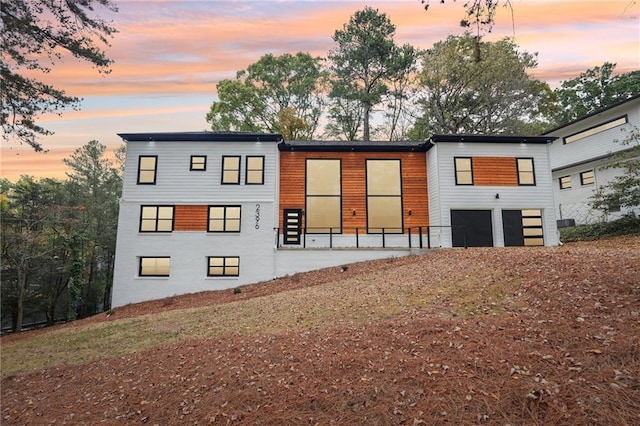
(37, 34)
(595, 89)
(58, 240)
(263, 97)
(474, 87)
(624, 189)
(364, 62)
(626, 225)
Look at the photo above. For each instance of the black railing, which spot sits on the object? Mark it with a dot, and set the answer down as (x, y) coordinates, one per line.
(385, 233)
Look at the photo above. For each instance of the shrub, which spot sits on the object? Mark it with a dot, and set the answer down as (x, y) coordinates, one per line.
(626, 225)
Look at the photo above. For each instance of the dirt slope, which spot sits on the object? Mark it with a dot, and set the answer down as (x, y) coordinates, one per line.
(479, 336)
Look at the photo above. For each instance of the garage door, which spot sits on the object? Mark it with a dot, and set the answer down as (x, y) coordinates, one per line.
(472, 227)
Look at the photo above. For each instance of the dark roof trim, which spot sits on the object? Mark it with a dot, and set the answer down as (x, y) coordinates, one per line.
(353, 146)
(201, 137)
(599, 111)
(492, 139)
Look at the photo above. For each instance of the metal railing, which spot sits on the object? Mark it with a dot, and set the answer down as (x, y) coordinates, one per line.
(380, 237)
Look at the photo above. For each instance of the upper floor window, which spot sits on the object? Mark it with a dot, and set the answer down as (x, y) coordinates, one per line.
(596, 129)
(384, 196)
(198, 163)
(526, 173)
(231, 169)
(463, 170)
(154, 266)
(147, 169)
(156, 218)
(323, 196)
(223, 266)
(587, 178)
(565, 182)
(224, 219)
(254, 170)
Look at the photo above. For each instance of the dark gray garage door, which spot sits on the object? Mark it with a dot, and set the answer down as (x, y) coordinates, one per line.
(473, 227)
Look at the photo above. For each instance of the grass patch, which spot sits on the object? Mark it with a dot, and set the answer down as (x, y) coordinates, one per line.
(465, 292)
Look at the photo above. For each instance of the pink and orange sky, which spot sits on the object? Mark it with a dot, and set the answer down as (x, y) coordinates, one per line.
(169, 56)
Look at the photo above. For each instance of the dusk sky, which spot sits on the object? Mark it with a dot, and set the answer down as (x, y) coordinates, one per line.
(169, 56)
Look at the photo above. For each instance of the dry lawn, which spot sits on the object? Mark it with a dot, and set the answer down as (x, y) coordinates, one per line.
(496, 336)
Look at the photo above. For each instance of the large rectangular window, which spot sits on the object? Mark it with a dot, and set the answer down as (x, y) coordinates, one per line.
(147, 169)
(587, 178)
(323, 199)
(156, 218)
(596, 129)
(384, 196)
(254, 170)
(224, 219)
(231, 170)
(565, 182)
(154, 266)
(223, 266)
(463, 170)
(532, 229)
(526, 172)
(198, 163)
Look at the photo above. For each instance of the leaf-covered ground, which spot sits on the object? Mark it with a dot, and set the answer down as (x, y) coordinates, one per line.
(495, 336)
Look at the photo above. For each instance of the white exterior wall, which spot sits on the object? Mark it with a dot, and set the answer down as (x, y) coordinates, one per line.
(177, 185)
(590, 153)
(462, 197)
(598, 145)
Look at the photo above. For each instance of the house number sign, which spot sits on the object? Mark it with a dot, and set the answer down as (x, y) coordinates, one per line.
(257, 216)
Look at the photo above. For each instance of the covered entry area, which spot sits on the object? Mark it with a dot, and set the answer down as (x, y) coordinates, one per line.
(471, 228)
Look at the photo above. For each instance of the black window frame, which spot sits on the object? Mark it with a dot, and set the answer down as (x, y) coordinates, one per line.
(591, 180)
(223, 169)
(157, 219)
(369, 197)
(593, 130)
(247, 170)
(140, 258)
(308, 197)
(533, 171)
(564, 184)
(224, 266)
(225, 220)
(458, 172)
(155, 169)
(204, 163)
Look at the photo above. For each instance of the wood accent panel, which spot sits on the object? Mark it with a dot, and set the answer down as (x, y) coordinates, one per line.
(354, 187)
(495, 171)
(190, 218)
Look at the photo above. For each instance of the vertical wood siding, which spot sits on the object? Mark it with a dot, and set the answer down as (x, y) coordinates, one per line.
(495, 171)
(354, 187)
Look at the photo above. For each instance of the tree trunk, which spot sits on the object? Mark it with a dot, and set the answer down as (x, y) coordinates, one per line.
(22, 283)
(365, 123)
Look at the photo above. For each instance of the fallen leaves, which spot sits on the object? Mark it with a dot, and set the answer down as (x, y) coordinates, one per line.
(478, 336)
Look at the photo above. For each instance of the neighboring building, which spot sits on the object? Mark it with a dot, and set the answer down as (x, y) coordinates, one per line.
(207, 211)
(580, 156)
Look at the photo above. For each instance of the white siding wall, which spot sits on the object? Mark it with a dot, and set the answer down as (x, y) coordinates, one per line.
(595, 146)
(459, 197)
(176, 184)
(579, 156)
(574, 202)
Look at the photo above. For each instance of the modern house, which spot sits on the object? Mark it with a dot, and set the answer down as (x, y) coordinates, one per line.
(580, 157)
(206, 211)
